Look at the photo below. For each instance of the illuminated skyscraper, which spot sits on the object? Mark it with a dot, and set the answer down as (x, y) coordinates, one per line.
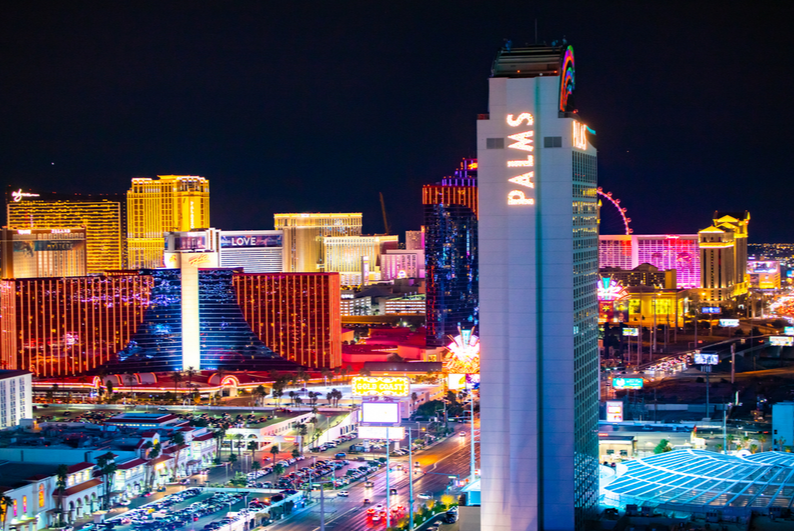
(724, 256)
(170, 203)
(538, 306)
(37, 253)
(344, 254)
(103, 216)
(451, 254)
(304, 233)
(664, 251)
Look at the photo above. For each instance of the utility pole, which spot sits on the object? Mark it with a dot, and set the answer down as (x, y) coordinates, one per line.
(323, 511)
(733, 350)
(411, 485)
(388, 505)
(472, 433)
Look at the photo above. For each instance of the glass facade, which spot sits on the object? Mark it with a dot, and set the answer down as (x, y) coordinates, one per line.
(304, 233)
(104, 218)
(296, 314)
(66, 326)
(586, 353)
(226, 339)
(451, 255)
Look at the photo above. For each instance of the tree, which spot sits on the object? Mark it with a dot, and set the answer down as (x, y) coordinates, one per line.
(296, 454)
(292, 396)
(364, 372)
(719, 448)
(662, 447)
(274, 452)
(395, 358)
(253, 446)
(219, 435)
(753, 448)
(177, 377)
(61, 474)
(278, 470)
(277, 394)
(762, 441)
(261, 392)
(326, 373)
(302, 376)
(256, 466)
(729, 441)
(177, 439)
(109, 388)
(107, 468)
(232, 459)
(298, 401)
(239, 438)
(5, 503)
(330, 398)
(154, 453)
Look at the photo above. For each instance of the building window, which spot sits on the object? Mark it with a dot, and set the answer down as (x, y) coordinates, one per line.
(553, 141)
(24, 505)
(495, 143)
(15, 507)
(623, 453)
(41, 495)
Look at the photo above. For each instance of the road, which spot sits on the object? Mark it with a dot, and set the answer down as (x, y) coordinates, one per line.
(448, 457)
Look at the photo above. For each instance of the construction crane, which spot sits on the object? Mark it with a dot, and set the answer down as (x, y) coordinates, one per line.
(383, 211)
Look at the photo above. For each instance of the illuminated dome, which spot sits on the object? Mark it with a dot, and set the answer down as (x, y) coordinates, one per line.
(697, 480)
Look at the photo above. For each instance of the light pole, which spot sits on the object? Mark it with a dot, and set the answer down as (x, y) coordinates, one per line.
(388, 506)
(411, 486)
(472, 434)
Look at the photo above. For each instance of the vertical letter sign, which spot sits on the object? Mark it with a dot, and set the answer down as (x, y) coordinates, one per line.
(522, 141)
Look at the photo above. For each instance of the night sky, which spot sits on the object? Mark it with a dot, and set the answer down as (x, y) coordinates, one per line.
(319, 106)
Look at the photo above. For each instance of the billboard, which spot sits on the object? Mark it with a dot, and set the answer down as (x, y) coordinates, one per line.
(381, 412)
(730, 322)
(627, 383)
(380, 432)
(788, 330)
(615, 411)
(632, 332)
(763, 267)
(781, 341)
(190, 242)
(242, 241)
(702, 358)
(380, 386)
(456, 381)
(710, 309)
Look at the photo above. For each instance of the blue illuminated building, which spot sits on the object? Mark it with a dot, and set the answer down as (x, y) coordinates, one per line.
(226, 339)
(451, 254)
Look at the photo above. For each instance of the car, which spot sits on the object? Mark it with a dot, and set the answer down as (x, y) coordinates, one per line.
(393, 492)
(368, 484)
(162, 409)
(343, 493)
(425, 495)
(462, 434)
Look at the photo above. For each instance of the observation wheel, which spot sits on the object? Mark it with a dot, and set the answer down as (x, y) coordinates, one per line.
(613, 219)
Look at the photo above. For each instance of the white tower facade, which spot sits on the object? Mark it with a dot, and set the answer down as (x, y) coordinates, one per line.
(538, 307)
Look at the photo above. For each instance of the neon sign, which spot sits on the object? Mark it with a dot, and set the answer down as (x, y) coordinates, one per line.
(17, 195)
(566, 78)
(379, 386)
(524, 142)
(578, 138)
(464, 354)
(199, 260)
(608, 289)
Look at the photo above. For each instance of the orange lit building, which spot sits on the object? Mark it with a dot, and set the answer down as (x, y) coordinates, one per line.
(65, 326)
(297, 315)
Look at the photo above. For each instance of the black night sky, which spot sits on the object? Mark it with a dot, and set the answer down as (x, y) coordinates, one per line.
(318, 106)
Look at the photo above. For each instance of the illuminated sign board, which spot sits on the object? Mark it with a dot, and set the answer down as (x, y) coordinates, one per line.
(627, 383)
(781, 341)
(397, 433)
(763, 267)
(464, 354)
(380, 386)
(730, 322)
(633, 332)
(710, 309)
(381, 412)
(190, 242)
(17, 195)
(608, 289)
(578, 138)
(615, 411)
(456, 381)
(788, 330)
(523, 142)
(243, 241)
(705, 359)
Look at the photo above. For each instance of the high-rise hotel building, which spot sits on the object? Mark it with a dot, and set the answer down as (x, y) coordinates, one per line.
(451, 254)
(304, 233)
(170, 203)
(724, 256)
(103, 216)
(538, 305)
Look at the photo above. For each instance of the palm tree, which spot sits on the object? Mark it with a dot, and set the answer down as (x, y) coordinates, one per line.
(177, 439)
(61, 474)
(154, 453)
(107, 468)
(5, 503)
(219, 436)
(762, 441)
(261, 392)
(291, 394)
(277, 394)
(255, 466)
(327, 374)
(177, 377)
(274, 451)
(239, 437)
(329, 397)
(296, 454)
(278, 470)
(232, 460)
(190, 372)
(253, 446)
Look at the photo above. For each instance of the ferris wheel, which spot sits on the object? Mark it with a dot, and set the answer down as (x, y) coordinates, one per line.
(612, 220)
